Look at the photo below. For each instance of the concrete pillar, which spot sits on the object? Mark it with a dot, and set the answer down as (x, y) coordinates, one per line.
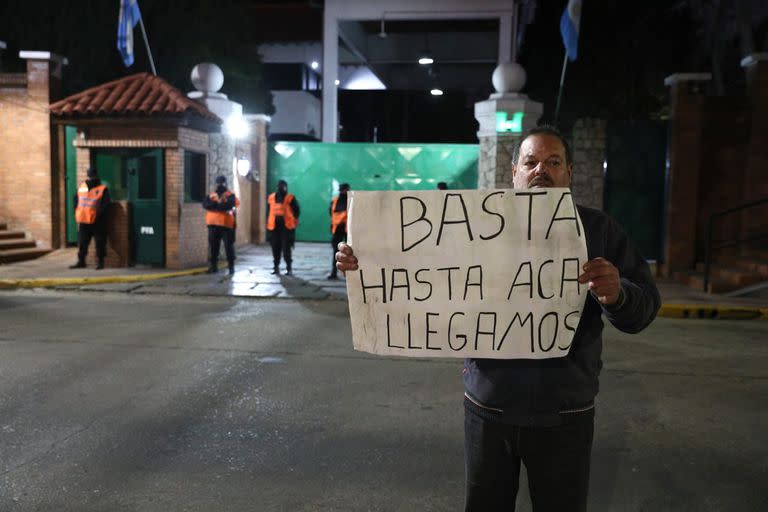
(686, 125)
(505, 39)
(503, 118)
(330, 72)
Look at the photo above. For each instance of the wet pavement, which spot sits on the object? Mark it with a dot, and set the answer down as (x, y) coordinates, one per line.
(311, 265)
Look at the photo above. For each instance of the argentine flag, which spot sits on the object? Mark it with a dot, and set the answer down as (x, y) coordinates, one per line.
(129, 17)
(569, 28)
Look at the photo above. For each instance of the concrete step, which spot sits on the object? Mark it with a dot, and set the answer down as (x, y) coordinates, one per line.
(14, 255)
(5, 234)
(16, 243)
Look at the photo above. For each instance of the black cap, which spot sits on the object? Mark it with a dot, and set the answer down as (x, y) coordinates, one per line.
(221, 180)
(91, 172)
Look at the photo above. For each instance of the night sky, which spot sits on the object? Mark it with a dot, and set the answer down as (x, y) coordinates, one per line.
(625, 50)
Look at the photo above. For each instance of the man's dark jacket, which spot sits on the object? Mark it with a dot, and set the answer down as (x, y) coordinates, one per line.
(535, 392)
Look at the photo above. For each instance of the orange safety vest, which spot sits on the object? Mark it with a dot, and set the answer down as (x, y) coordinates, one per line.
(337, 217)
(226, 219)
(281, 210)
(88, 202)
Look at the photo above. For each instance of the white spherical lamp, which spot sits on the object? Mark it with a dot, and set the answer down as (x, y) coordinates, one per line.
(508, 77)
(207, 77)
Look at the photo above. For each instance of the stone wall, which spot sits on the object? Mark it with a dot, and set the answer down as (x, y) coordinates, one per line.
(588, 146)
(495, 163)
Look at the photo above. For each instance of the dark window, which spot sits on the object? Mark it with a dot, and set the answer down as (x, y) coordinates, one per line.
(147, 177)
(194, 177)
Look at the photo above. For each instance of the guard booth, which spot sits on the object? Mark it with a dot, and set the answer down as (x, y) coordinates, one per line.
(159, 153)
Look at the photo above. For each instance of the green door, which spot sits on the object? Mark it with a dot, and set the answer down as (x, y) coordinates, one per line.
(145, 194)
(636, 153)
(70, 132)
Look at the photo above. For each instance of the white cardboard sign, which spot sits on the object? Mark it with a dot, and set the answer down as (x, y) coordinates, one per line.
(466, 273)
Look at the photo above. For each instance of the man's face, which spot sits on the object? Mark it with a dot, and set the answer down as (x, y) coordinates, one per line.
(541, 163)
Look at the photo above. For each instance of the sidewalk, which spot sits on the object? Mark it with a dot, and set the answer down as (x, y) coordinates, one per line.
(312, 262)
(252, 278)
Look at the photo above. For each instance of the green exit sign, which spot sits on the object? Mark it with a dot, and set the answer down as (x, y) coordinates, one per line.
(514, 125)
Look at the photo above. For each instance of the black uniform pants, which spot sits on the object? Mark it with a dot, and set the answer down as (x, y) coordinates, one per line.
(281, 240)
(340, 235)
(215, 235)
(85, 232)
(556, 459)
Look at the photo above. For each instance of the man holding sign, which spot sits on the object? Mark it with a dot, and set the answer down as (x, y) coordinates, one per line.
(516, 282)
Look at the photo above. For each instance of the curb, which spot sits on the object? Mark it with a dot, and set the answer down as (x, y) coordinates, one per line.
(713, 311)
(693, 311)
(9, 284)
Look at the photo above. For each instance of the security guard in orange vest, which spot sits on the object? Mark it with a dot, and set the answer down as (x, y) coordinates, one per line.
(221, 208)
(91, 202)
(281, 225)
(338, 224)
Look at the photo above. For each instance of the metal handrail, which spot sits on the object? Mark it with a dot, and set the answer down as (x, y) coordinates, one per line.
(710, 226)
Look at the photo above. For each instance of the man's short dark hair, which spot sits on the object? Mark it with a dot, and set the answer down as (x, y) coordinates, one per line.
(543, 130)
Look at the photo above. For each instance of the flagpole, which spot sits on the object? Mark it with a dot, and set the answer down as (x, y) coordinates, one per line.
(560, 91)
(146, 43)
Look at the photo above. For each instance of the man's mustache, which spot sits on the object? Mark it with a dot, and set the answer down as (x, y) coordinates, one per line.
(541, 180)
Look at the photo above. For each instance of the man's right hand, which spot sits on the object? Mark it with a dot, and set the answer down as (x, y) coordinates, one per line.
(345, 258)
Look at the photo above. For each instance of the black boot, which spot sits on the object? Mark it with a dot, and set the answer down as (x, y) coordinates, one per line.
(288, 271)
(79, 264)
(100, 265)
(275, 270)
(231, 269)
(332, 276)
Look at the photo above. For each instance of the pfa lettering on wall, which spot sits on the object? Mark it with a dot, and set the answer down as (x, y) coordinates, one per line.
(466, 273)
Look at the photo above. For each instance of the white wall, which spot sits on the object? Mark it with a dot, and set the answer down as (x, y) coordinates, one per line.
(295, 112)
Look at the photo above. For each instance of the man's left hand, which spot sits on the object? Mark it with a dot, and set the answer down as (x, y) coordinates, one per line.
(603, 280)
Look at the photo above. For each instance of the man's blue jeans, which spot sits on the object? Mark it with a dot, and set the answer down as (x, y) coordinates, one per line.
(556, 459)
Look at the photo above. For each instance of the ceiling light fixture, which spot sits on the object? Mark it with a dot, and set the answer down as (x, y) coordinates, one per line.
(436, 92)
(314, 64)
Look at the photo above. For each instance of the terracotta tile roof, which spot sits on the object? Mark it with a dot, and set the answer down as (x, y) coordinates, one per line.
(139, 94)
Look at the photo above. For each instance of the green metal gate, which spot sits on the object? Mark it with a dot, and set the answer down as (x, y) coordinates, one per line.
(636, 153)
(314, 170)
(138, 176)
(70, 132)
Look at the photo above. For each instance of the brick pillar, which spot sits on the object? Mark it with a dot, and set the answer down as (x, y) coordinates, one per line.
(174, 197)
(25, 133)
(686, 125)
(754, 222)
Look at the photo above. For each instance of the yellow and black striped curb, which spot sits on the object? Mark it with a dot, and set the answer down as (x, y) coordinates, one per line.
(713, 311)
(6, 284)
